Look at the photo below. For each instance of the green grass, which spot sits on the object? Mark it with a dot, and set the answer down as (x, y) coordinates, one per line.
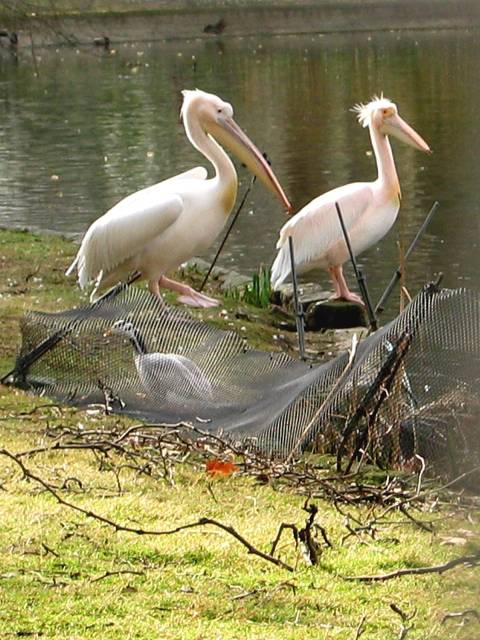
(199, 583)
(256, 293)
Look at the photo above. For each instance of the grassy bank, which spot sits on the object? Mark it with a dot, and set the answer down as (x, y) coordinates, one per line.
(66, 574)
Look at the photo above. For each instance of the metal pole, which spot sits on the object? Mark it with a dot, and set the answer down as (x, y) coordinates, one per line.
(362, 284)
(398, 272)
(299, 314)
(230, 227)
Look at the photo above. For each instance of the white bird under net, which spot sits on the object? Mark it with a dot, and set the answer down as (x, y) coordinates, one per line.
(412, 389)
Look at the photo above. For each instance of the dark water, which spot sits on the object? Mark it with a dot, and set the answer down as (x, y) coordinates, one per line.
(95, 126)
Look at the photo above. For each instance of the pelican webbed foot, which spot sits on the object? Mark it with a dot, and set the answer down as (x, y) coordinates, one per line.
(342, 292)
(196, 299)
(188, 295)
(349, 296)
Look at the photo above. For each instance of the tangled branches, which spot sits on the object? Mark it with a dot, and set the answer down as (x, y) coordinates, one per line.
(160, 451)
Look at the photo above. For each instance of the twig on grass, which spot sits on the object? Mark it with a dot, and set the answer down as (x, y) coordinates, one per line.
(461, 614)
(472, 559)
(108, 574)
(154, 450)
(266, 591)
(48, 550)
(281, 529)
(242, 540)
(405, 617)
(311, 549)
(360, 628)
(138, 531)
(426, 526)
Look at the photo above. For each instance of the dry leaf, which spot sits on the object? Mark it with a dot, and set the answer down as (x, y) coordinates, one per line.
(220, 467)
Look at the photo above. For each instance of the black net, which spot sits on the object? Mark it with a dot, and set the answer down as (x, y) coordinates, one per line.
(411, 392)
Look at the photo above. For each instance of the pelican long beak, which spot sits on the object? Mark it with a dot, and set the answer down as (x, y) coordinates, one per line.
(226, 131)
(397, 127)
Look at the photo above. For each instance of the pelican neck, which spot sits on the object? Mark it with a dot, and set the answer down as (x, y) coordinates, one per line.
(225, 173)
(387, 173)
(138, 343)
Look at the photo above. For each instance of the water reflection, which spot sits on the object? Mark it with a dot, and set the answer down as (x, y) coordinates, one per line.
(107, 125)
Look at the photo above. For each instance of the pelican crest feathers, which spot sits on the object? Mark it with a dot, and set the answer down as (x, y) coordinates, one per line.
(188, 96)
(364, 111)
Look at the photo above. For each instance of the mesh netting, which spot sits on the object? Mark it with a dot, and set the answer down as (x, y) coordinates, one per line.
(412, 389)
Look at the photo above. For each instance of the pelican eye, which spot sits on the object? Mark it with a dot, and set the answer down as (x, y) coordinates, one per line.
(219, 110)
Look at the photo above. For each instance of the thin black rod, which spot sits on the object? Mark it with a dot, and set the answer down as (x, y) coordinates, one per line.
(380, 308)
(362, 283)
(299, 314)
(26, 361)
(230, 227)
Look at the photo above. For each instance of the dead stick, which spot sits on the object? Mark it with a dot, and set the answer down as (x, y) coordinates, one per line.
(472, 559)
(360, 628)
(461, 614)
(121, 572)
(151, 532)
(386, 373)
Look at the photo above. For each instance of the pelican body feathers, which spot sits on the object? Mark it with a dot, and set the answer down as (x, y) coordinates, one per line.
(156, 229)
(369, 208)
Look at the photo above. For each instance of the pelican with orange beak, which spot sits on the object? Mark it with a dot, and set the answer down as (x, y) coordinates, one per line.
(369, 208)
(155, 230)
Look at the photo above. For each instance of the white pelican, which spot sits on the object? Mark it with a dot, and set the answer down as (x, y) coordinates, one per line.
(163, 373)
(369, 208)
(158, 228)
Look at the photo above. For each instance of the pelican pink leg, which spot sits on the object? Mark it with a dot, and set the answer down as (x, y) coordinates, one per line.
(342, 292)
(369, 208)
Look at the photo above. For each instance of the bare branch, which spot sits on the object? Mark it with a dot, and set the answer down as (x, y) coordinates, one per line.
(107, 574)
(281, 529)
(405, 617)
(472, 559)
(360, 628)
(138, 531)
(461, 614)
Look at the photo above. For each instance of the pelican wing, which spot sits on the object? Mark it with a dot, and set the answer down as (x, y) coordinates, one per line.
(316, 228)
(121, 232)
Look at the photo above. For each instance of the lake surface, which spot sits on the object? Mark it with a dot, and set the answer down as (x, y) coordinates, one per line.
(95, 126)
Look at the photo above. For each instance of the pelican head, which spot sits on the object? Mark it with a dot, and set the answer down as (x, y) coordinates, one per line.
(215, 117)
(382, 115)
(128, 330)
